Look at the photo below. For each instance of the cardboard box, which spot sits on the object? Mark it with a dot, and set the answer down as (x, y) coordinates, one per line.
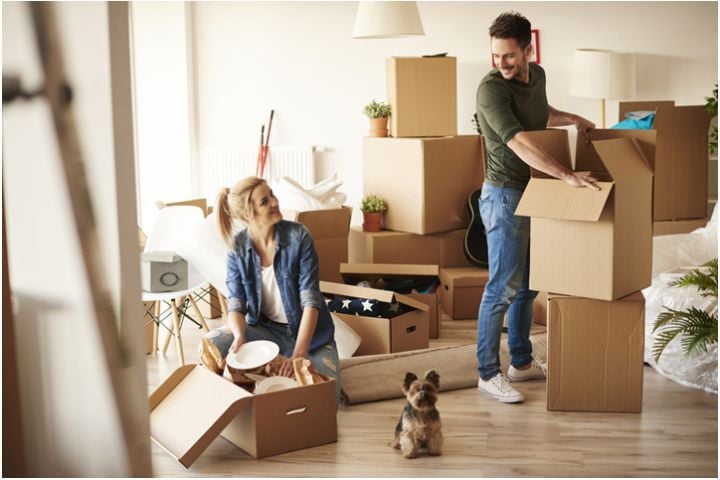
(594, 244)
(194, 405)
(329, 229)
(462, 290)
(352, 273)
(681, 159)
(595, 354)
(425, 182)
(423, 95)
(540, 308)
(408, 331)
(387, 246)
(673, 227)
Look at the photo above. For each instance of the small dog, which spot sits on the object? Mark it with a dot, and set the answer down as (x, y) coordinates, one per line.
(419, 425)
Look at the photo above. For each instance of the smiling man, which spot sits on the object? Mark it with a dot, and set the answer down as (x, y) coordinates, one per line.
(511, 101)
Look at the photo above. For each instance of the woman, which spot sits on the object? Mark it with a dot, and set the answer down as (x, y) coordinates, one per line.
(272, 277)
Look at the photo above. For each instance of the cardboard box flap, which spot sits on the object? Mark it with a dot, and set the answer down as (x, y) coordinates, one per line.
(550, 198)
(662, 108)
(358, 271)
(587, 159)
(328, 223)
(623, 158)
(191, 408)
(691, 121)
(364, 292)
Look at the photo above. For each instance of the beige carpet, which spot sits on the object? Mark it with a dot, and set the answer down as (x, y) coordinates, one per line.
(378, 377)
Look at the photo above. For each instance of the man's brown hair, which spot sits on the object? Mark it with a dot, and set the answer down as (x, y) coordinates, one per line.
(512, 25)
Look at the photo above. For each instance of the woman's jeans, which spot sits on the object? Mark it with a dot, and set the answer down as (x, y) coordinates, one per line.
(324, 359)
(508, 239)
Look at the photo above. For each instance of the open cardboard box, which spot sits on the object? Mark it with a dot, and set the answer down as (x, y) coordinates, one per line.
(595, 354)
(194, 405)
(594, 244)
(408, 331)
(461, 291)
(329, 229)
(352, 273)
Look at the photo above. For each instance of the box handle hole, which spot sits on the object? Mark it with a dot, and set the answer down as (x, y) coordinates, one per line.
(296, 411)
(410, 329)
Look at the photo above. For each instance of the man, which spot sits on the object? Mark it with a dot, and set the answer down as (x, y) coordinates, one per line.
(511, 101)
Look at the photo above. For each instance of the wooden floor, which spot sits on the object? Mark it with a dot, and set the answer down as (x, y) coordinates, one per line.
(676, 435)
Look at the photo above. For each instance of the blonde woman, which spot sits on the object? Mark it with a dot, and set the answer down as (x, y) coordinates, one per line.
(272, 277)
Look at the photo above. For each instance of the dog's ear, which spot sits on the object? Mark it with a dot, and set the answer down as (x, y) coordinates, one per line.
(433, 377)
(409, 379)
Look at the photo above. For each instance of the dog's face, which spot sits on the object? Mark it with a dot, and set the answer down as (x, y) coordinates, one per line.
(422, 394)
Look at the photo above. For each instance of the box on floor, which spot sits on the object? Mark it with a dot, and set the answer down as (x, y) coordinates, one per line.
(461, 291)
(681, 159)
(353, 273)
(422, 93)
(329, 229)
(595, 354)
(403, 332)
(194, 405)
(595, 244)
(387, 246)
(425, 182)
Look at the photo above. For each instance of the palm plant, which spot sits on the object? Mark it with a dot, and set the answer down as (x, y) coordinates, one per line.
(711, 105)
(698, 328)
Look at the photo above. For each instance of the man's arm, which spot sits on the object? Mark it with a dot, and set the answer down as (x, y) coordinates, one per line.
(557, 118)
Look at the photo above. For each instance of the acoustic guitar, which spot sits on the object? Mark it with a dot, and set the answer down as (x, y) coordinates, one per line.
(475, 248)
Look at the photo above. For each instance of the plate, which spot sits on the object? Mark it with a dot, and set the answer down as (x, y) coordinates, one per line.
(253, 355)
(273, 384)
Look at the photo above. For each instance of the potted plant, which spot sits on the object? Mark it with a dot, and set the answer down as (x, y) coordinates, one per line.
(372, 207)
(711, 105)
(378, 113)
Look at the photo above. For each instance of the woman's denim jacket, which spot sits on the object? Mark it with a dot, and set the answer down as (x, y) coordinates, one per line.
(296, 270)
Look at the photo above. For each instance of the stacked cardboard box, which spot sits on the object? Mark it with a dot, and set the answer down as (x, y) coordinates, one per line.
(593, 251)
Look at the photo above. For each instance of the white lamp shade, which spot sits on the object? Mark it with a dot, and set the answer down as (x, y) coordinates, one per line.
(387, 20)
(602, 74)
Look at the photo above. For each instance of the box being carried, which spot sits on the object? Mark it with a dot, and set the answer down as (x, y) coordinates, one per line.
(595, 354)
(410, 277)
(385, 332)
(423, 95)
(194, 405)
(425, 182)
(595, 244)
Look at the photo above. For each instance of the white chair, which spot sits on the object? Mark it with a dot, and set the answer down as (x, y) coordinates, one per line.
(173, 229)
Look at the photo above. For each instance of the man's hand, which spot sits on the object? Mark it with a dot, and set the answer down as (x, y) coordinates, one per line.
(581, 179)
(583, 126)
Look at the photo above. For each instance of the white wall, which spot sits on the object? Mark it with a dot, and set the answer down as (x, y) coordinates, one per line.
(299, 58)
(70, 414)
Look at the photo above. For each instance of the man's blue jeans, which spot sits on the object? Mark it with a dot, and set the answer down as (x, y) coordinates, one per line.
(508, 238)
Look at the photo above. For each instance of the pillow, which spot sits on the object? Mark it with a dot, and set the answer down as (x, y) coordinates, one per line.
(642, 120)
(346, 339)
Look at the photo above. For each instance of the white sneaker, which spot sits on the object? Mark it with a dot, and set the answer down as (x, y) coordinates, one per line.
(498, 388)
(536, 370)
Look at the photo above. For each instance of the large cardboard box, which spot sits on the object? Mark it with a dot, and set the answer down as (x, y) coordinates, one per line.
(352, 273)
(681, 159)
(673, 227)
(595, 244)
(425, 182)
(387, 246)
(194, 405)
(407, 331)
(423, 95)
(329, 229)
(461, 291)
(595, 354)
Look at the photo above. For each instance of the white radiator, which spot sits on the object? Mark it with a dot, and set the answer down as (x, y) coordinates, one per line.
(223, 166)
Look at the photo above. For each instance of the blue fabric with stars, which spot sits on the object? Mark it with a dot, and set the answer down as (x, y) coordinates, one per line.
(366, 307)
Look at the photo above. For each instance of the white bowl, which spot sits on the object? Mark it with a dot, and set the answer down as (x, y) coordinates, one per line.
(274, 384)
(252, 355)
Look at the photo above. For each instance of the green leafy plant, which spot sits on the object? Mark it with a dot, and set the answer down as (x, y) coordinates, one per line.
(711, 105)
(698, 329)
(372, 203)
(377, 109)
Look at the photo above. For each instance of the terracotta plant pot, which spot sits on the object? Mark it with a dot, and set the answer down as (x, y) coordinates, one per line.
(378, 127)
(372, 221)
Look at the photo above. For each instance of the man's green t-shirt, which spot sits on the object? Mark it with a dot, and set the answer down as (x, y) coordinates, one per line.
(504, 108)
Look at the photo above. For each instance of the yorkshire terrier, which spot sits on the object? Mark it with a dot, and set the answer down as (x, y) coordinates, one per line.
(419, 426)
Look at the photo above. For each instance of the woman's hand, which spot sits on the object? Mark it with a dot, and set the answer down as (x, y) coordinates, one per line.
(238, 340)
(287, 369)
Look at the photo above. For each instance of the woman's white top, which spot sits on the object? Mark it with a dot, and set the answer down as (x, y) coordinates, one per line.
(272, 306)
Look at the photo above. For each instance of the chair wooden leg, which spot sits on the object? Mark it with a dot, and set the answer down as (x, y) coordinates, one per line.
(170, 333)
(198, 314)
(178, 336)
(156, 327)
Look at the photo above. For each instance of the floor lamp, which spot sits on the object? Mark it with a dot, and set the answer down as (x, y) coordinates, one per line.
(388, 20)
(602, 74)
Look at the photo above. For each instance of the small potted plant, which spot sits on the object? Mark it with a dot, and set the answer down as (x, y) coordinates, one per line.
(378, 113)
(372, 207)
